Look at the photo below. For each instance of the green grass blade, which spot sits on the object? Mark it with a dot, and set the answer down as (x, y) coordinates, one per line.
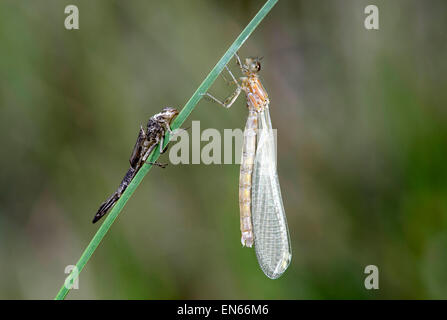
(186, 111)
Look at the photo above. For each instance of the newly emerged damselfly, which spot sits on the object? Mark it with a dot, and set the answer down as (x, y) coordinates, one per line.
(262, 216)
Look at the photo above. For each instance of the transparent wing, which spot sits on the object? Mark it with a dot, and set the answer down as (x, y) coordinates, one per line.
(272, 242)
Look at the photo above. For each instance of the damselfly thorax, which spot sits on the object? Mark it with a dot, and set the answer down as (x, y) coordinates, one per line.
(257, 97)
(262, 217)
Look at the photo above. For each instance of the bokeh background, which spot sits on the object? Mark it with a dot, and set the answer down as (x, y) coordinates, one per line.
(362, 136)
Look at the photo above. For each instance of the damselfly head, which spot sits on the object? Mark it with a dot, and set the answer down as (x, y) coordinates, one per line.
(253, 64)
(168, 114)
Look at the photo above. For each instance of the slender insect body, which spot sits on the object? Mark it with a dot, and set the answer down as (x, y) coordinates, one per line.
(257, 100)
(245, 183)
(156, 129)
(262, 216)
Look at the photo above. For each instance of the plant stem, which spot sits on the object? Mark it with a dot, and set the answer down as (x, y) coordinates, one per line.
(183, 115)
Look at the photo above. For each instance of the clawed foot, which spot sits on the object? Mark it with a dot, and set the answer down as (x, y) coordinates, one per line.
(161, 165)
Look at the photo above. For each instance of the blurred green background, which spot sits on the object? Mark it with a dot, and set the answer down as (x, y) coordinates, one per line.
(362, 135)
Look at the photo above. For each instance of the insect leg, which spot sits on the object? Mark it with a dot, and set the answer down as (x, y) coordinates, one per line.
(148, 152)
(168, 127)
(232, 76)
(228, 102)
(162, 139)
(158, 164)
(161, 146)
(229, 82)
(239, 63)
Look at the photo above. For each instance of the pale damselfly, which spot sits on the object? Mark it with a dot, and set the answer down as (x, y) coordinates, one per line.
(262, 216)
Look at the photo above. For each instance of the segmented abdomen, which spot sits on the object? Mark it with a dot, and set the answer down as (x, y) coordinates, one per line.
(245, 175)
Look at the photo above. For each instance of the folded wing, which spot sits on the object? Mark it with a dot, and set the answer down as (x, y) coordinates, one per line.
(272, 241)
